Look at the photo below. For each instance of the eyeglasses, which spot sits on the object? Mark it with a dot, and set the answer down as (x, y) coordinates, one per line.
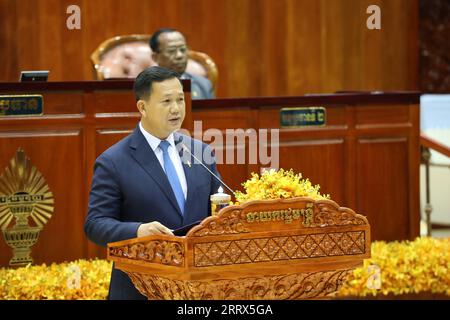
(171, 52)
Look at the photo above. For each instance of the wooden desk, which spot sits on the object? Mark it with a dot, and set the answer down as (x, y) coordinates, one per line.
(366, 157)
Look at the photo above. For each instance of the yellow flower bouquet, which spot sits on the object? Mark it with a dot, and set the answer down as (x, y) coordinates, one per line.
(272, 184)
(403, 268)
(77, 280)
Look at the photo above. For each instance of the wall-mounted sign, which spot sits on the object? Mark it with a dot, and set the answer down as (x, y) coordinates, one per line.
(21, 105)
(302, 117)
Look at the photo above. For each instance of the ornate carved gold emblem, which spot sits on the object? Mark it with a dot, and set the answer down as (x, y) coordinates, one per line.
(23, 194)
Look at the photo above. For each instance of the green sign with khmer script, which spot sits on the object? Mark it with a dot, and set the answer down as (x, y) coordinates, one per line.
(302, 117)
(21, 105)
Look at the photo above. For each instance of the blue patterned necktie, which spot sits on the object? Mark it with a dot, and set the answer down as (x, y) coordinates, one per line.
(172, 175)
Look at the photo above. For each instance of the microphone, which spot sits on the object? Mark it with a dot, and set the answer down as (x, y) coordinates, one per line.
(184, 148)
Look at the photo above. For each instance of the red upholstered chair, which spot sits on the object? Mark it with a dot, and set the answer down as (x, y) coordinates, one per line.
(126, 56)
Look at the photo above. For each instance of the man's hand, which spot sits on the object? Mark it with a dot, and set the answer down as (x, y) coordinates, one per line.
(147, 229)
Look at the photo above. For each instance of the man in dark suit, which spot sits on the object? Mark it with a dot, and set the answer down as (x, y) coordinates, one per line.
(145, 184)
(169, 50)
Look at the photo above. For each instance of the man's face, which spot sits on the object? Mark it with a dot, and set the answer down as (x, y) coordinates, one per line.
(172, 52)
(163, 112)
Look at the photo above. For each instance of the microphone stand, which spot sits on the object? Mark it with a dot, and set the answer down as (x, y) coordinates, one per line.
(212, 173)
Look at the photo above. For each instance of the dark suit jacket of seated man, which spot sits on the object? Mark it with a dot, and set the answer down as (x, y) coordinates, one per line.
(131, 195)
(201, 88)
(169, 50)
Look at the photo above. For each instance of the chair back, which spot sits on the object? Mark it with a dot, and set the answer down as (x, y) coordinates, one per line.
(126, 56)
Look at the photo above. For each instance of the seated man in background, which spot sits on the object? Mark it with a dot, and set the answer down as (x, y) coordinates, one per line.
(169, 50)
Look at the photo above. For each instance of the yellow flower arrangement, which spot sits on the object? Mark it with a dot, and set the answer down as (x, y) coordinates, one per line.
(78, 280)
(409, 267)
(274, 184)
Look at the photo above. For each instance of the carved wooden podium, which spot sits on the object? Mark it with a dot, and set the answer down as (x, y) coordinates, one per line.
(296, 248)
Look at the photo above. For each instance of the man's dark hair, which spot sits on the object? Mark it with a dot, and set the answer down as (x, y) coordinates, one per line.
(154, 42)
(143, 83)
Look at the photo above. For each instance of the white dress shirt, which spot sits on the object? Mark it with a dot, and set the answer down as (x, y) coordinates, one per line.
(173, 154)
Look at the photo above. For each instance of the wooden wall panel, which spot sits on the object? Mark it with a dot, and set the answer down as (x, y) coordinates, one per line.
(116, 102)
(233, 174)
(379, 161)
(62, 166)
(327, 169)
(57, 103)
(372, 115)
(240, 117)
(303, 47)
(105, 138)
(261, 47)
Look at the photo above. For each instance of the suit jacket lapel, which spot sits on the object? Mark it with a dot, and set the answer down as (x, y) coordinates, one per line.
(144, 155)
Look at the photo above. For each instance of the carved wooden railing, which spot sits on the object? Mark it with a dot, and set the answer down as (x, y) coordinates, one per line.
(296, 248)
(427, 143)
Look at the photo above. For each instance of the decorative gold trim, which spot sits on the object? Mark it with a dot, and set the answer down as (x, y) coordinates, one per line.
(23, 194)
(268, 249)
(234, 219)
(156, 251)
